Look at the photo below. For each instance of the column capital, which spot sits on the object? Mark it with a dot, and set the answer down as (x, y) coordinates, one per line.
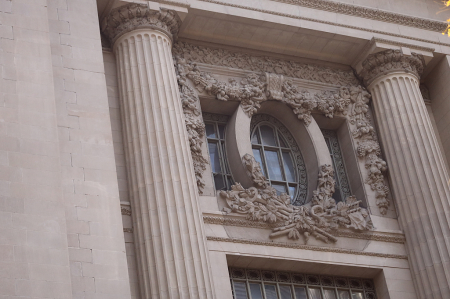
(389, 61)
(136, 16)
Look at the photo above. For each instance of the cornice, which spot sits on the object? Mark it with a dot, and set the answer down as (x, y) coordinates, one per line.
(325, 22)
(135, 16)
(306, 247)
(389, 61)
(228, 221)
(370, 13)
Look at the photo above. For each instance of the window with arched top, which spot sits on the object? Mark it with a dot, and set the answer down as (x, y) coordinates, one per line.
(280, 158)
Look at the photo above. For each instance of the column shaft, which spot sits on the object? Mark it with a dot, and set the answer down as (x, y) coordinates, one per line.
(172, 254)
(419, 177)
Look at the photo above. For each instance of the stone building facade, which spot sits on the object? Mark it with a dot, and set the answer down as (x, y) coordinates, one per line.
(290, 149)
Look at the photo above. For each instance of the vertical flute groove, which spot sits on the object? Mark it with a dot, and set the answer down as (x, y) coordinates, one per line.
(420, 180)
(170, 236)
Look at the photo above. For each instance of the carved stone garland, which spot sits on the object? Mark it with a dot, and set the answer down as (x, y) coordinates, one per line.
(319, 218)
(259, 87)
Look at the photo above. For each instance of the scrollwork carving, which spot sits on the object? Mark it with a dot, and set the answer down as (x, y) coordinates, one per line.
(389, 61)
(133, 16)
(318, 219)
(263, 64)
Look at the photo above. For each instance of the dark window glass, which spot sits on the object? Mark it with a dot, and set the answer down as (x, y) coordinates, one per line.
(215, 126)
(342, 187)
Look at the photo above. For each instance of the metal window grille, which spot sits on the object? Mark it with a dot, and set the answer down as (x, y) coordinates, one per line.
(281, 161)
(342, 187)
(215, 127)
(263, 284)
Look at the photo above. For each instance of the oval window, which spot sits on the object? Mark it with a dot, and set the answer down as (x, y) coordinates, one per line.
(280, 158)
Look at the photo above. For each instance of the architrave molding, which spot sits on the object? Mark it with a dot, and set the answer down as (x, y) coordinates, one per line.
(370, 13)
(326, 22)
(229, 221)
(306, 247)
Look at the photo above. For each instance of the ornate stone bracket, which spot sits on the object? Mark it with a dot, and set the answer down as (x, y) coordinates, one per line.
(318, 219)
(350, 101)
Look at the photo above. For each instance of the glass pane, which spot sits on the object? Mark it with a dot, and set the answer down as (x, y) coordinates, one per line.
(222, 131)
(255, 291)
(214, 157)
(329, 294)
(314, 293)
(285, 292)
(289, 167)
(343, 294)
(271, 291)
(219, 183)
(273, 165)
(281, 140)
(292, 192)
(268, 136)
(300, 293)
(210, 132)
(255, 137)
(357, 295)
(257, 155)
(281, 188)
(240, 291)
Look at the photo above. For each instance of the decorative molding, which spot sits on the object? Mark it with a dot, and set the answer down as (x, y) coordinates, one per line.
(318, 219)
(128, 230)
(263, 64)
(176, 3)
(350, 101)
(368, 146)
(388, 61)
(134, 16)
(193, 120)
(228, 221)
(125, 211)
(400, 44)
(306, 247)
(370, 13)
(325, 22)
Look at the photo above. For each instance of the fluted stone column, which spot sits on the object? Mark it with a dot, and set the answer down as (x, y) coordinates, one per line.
(171, 244)
(417, 168)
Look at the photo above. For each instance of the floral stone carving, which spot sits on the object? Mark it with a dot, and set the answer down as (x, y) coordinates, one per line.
(269, 82)
(319, 218)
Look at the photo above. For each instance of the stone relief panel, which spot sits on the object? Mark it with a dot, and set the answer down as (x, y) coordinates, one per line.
(318, 219)
(271, 79)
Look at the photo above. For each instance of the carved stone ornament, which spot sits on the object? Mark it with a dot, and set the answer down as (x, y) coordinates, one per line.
(319, 218)
(351, 101)
(263, 64)
(390, 61)
(134, 16)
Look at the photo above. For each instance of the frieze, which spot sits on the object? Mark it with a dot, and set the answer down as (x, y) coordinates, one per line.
(125, 211)
(263, 64)
(306, 247)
